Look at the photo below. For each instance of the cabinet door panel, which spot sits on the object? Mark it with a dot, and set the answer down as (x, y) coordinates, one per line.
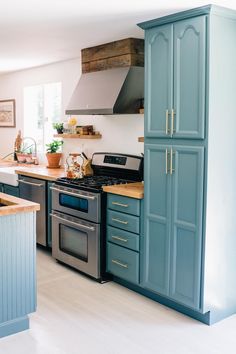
(189, 77)
(156, 238)
(159, 79)
(186, 241)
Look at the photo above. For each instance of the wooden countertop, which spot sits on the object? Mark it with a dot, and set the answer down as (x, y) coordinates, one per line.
(15, 205)
(133, 190)
(41, 172)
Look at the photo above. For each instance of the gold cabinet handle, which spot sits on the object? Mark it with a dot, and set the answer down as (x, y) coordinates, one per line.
(167, 122)
(119, 263)
(172, 122)
(167, 170)
(119, 238)
(120, 204)
(120, 221)
(171, 161)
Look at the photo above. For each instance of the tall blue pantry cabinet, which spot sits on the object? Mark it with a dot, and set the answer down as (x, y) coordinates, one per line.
(188, 253)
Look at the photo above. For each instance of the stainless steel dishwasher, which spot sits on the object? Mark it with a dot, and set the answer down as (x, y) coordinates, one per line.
(35, 190)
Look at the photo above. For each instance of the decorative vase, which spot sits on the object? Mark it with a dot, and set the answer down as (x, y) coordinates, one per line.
(53, 159)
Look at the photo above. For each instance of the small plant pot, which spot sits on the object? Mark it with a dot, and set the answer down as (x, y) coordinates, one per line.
(60, 131)
(53, 159)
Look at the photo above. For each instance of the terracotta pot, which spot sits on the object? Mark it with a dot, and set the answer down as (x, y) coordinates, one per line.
(53, 159)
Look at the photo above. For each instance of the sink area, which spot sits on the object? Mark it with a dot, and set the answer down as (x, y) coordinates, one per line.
(8, 175)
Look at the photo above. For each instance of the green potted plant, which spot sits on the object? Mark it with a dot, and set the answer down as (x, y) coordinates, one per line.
(58, 127)
(53, 156)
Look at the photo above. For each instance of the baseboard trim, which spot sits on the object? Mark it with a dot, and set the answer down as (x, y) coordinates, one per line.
(14, 326)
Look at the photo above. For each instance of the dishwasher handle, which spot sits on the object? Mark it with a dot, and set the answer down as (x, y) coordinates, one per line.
(30, 183)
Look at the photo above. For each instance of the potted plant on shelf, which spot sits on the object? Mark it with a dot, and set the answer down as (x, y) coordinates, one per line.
(59, 127)
(53, 156)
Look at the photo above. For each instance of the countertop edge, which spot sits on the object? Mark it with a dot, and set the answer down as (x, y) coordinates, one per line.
(16, 205)
(42, 174)
(132, 190)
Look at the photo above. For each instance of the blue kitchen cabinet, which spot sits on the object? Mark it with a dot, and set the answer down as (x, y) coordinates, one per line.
(159, 80)
(12, 190)
(157, 213)
(123, 237)
(173, 221)
(186, 224)
(175, 79)
(188, 241)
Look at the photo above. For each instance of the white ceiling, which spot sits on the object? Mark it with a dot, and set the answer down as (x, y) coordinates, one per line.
(38, 32)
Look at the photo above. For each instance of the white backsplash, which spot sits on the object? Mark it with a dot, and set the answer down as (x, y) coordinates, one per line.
(119, 134)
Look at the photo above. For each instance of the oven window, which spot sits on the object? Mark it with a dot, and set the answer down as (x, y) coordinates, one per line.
(73, 242)
(71, 202)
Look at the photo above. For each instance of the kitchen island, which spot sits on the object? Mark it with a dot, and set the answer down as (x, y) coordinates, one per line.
(17, 259)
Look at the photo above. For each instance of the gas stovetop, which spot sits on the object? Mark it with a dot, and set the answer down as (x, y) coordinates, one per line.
(109, 169)
(93, 182)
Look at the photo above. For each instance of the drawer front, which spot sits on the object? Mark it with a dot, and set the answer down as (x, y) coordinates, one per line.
(123, 221)
(124, 204)
(123, 263)
(123, 238)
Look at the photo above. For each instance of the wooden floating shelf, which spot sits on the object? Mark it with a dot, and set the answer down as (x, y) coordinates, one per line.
(141, 139)
(77, 136)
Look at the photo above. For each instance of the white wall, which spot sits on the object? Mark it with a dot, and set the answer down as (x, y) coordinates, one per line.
(119, 133)
(12, 86)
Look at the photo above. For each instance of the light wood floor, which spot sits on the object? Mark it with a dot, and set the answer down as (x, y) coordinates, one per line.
(79, 316)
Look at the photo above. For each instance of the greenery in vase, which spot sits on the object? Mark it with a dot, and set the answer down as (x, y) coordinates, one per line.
(54, 146)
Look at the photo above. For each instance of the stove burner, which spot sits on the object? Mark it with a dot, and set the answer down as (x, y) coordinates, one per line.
(93, 182)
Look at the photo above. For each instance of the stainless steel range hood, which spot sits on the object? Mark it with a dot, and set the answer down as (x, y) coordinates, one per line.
(111, 91)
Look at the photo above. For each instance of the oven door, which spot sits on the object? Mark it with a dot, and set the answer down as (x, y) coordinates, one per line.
(82, 204)
(77, 243)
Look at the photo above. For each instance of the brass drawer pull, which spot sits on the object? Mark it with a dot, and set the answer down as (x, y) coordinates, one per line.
(120, 221)
(172, 122)
(119, 263)
(167, 122)
(119, 238)
(120, 204)
(171, 161)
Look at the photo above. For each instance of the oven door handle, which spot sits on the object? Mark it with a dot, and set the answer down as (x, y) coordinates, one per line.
(74, 223)
(74, 194)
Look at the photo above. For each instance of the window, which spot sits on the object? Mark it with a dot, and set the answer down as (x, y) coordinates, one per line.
(42, 107)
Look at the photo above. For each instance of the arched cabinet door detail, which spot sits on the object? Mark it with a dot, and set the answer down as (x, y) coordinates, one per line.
(189, 78)
(159, 80)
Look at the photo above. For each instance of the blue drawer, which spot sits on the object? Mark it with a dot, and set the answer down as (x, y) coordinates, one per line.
(123, 238)
(123, 221)
(123, 263)
(123, 204)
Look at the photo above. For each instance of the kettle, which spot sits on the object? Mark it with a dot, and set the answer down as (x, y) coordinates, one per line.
(74, 166)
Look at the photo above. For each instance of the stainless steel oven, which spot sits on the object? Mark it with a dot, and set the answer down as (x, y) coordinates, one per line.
(76, 242)
(82, 204)
(79, 212)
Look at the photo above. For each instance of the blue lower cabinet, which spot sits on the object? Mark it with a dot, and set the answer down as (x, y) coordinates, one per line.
(124, 216)
(12, 190)
(123, 238)
(123, 221)
(123, 263)
(123, 204)
(171, 247)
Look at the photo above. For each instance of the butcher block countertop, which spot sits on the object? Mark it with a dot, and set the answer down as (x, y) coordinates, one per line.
(13, 205)
(133, 190)
(41, 172)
